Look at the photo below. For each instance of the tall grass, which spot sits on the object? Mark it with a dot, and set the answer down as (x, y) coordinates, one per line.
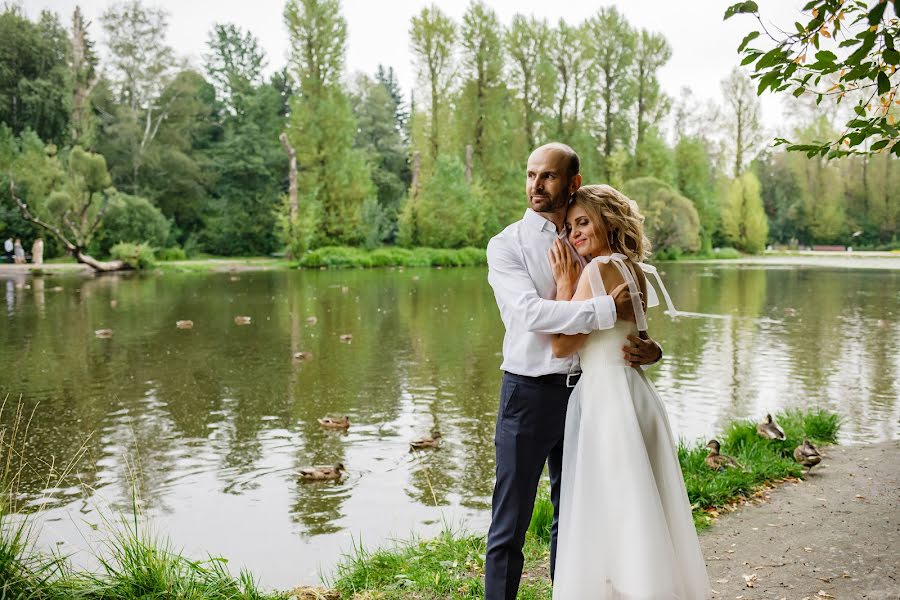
(134, 563)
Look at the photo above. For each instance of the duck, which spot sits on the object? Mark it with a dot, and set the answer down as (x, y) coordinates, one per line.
(239, 320)
(335, 422)
(103, 333)
(769, 429)
(184, 324)
(302, 355)
(719, 462)
(429, 442)
(323, 473)
(311, 320)
(347, 337)
(807, 455)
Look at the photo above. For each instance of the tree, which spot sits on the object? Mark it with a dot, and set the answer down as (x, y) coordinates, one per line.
(526, 43)
(671, 221)
(482, 42)
(695, 178)
(743, 218)
(613, 44)
(35, 91)
(868, 73)
(652, 51)
(742, 121)
(234, 64)
(378, 136)
(66, 196)
(141, 66)
(83, 68)
(336, 178)
(432, 36)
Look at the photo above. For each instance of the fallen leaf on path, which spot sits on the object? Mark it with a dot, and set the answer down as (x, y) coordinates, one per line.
(808, 549)
(721, 581)
(824, 594)
(750, 580)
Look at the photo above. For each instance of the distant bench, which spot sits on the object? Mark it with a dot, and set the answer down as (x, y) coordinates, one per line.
(830, 248)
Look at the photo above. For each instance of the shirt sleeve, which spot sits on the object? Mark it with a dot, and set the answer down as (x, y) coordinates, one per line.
(519, 301)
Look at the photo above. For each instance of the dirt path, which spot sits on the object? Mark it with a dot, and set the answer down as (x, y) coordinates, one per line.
(834, 535)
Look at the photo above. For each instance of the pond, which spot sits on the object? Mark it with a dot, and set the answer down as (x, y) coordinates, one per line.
(210, 425)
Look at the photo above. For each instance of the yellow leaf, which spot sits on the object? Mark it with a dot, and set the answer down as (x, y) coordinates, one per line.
(892, 119)
(815, 13)
(825, 33)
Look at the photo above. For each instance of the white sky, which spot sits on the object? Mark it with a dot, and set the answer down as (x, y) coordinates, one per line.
(703, 45)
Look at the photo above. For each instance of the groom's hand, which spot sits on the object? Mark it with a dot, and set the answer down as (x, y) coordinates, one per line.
(641, 351)
(622, 298)
(566, 270)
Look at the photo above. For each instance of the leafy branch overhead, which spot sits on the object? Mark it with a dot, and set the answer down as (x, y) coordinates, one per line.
(846, 48)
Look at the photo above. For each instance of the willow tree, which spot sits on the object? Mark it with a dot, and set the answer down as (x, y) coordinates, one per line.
(336, 178)
(744, 221)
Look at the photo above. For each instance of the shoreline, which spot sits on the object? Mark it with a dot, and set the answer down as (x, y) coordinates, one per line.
(877, 260)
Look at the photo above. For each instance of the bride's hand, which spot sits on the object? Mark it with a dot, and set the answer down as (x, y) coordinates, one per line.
(566, 270)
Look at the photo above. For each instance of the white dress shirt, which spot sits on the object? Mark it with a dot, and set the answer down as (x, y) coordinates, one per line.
(519, 272)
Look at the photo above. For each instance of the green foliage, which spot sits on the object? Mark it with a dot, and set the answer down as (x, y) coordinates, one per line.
(447, 212)
(695, 178)
(542, 515)
(174, 253)
(337, 257)
(35, 87)
(806, 61)
(336, 176)
(128, 219)
(137, 256)
(743, 218)
(671, 221)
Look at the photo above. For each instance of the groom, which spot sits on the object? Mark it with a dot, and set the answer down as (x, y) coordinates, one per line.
(536, 385)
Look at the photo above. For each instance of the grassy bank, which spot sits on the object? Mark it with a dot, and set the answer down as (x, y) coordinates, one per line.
(136, 564)
(452, 565)
(341, 257)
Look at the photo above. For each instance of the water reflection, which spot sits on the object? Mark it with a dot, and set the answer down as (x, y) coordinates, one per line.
(210, 425)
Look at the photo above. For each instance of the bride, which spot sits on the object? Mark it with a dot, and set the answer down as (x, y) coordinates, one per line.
(625, 529)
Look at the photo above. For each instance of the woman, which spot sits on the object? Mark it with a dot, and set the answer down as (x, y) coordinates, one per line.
(18, 252)
(626, 530)
(37, 252)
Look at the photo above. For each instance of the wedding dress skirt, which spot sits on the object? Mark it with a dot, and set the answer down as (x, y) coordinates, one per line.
(625, 529)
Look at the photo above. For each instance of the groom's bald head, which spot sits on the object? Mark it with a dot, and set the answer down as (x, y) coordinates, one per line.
(572, 160)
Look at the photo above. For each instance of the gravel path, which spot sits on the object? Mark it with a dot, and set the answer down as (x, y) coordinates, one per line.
(834, 535)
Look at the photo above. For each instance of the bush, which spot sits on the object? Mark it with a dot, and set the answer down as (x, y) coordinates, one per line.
(174, 253)
(338, 257)
(446, 214)
(672, 223)
(128, 219)
(136, 256)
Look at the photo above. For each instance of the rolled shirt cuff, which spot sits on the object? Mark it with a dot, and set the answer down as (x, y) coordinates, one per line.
(605, 308)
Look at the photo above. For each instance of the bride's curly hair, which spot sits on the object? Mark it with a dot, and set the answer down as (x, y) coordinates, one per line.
(620, 217)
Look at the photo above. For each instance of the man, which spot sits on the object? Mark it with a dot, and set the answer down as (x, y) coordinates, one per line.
(536, 385)
(8, 249)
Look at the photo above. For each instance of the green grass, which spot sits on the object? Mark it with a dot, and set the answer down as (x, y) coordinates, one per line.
(452, 565)
(343, 257)
(137, 564)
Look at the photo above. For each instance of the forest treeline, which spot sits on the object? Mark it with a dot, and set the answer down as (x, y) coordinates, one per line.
(141, 146)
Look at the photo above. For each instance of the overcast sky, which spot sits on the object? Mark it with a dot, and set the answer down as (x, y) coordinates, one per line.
(703, 46)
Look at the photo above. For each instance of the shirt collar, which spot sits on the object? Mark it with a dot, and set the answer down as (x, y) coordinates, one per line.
(535, 220)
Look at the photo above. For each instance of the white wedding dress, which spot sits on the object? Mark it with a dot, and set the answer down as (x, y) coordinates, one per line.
(625, 529)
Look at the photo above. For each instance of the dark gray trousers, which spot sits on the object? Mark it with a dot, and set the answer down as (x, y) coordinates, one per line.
(530, 427)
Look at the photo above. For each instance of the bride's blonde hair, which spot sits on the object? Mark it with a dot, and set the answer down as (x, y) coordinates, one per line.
(620, 217)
